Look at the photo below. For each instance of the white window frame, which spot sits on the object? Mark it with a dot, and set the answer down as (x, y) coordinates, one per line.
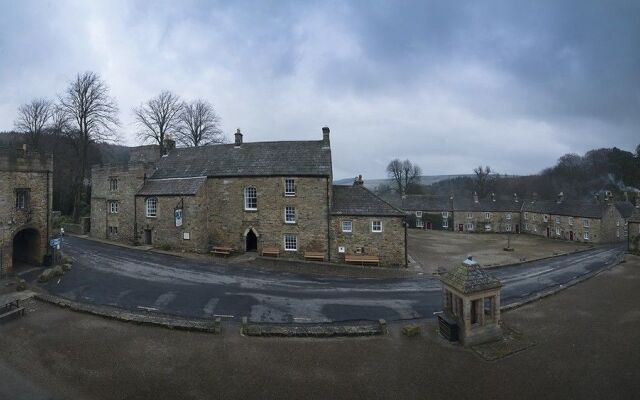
(113, 184)
(22, 199)
(349, 223)
(469, 226)
(586, 223)
(558, 220)
(288, 240)
(469, 215)
(445, 214)
(533, 217)
(488, 227)
(508, 227)
(419, 223)
(487, 215)
(585, 235)
(545, 218)
(113, 207)
(373, 226)
(445, 222)
(290, 211)
(250, 193)
(289, 187)
(509, 216)
(152, 212)
(526, 216)
(557, 231)
(570, 221)
(418, 214)
(526, 226)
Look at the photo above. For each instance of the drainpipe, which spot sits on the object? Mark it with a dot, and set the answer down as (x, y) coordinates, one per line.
(406, 254)
(328, 222)
(48, 215)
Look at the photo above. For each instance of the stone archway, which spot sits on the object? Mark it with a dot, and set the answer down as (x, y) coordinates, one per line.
(26, 248)
(251, 239)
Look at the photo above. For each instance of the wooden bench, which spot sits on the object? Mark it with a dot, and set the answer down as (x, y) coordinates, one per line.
(314, 255)
(10, 306)
(270, 251)
(13, 311)
(362, 260)
(222, 250)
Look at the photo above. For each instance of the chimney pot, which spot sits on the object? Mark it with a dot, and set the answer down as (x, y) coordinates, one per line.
(238, 136)
(325, 134)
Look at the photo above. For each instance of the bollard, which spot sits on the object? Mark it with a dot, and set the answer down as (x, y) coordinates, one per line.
(383, 326)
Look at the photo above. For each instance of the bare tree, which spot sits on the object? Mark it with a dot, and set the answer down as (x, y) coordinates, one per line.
(199, 124)
(32, 120)
(158, 117)
(59, 123)
(93, 116)
(404, 174)
(481, 180)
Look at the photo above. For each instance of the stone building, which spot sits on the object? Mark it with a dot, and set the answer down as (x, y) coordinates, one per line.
(26, 192)
(246, 195)
(597, 221)
(492, 214)
(634, 229)
(426, 212)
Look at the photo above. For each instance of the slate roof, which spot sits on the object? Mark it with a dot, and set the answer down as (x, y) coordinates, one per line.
(419, 202)
(357, 200)
(625, 208)
(285, 158)
(468, 277)
(487, 204)
(588, 209)
(171, 187)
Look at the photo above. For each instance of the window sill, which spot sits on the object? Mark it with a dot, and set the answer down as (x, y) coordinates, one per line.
(290, 195)
(290, 223)
(152, 216)
(291, 250)
(250, 209)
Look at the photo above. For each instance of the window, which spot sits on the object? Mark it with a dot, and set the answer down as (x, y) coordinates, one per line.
(376, 226)
(152, 207)
(585, 235)
(508, 227)
(557, 220)
(290, 243)
(487, 227)
(445, 214)
(526, 216)
(557, 231)
(289, 187)
(445, 223)
(469, 226)
(290, 215)
(618, 233)
(488, 307)
(113, 207)
(347, 226)
(469, 215)
(113, 184)
(618, 223)
(533, 217)
(419, 214)
(508, 215)
(570, 221)
(487, 215)
(419, 223)
(535, 228)
(250, 198)
(113, 230)
(585, 223)
(22, 199)
(545, 218)
(526, 227)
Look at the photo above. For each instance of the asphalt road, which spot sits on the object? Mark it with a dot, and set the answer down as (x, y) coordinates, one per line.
(142, 280)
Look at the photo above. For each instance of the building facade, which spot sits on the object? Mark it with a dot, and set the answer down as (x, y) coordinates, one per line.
(26, 192)
(247, 196)
(634, 229)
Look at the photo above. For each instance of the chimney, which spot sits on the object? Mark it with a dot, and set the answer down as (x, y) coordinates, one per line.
(238, 136)
(560, 198)
(515, 198)
(325, 134)
(358, 181)
(493, 197)
(169, 144)
(475, 197)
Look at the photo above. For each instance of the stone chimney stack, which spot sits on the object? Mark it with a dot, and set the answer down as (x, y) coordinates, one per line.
(169, 144)
(358, 181)
(475, 197)
(325, 134)
(238, 136)
(560, 197)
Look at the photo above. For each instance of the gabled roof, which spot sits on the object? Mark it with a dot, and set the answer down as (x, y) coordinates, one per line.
(171, 187)
(468, 277)
(625, 208)
(419, 202)
(357, 200)
(486, 204)
(286, 158)
(571, 208)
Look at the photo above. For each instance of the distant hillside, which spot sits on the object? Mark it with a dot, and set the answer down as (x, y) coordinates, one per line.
(425, 180)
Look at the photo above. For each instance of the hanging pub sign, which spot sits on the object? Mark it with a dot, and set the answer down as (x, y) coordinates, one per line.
(178, 214)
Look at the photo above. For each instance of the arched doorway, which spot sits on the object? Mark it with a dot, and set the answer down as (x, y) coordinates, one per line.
(251, 240)
(26, 248)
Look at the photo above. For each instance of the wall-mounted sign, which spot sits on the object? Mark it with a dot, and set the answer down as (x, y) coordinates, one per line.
(341, 249)
(178, 214)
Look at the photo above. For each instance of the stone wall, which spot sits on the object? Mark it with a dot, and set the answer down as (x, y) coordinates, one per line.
(34, 173)
(191, 236)
(229, 222)
(634, 237)
(498, 221)
(613, 226)
(389, 244)
(130, 179)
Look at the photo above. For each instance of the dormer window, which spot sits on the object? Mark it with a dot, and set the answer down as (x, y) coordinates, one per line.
(289, 187)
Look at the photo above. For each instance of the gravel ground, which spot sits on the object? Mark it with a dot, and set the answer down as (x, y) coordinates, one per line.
(438, 249)
(586, 339)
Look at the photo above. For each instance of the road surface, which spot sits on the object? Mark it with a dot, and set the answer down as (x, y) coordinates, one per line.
(142, 280)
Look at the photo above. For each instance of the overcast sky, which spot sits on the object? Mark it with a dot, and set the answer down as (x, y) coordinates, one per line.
(448, 85)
